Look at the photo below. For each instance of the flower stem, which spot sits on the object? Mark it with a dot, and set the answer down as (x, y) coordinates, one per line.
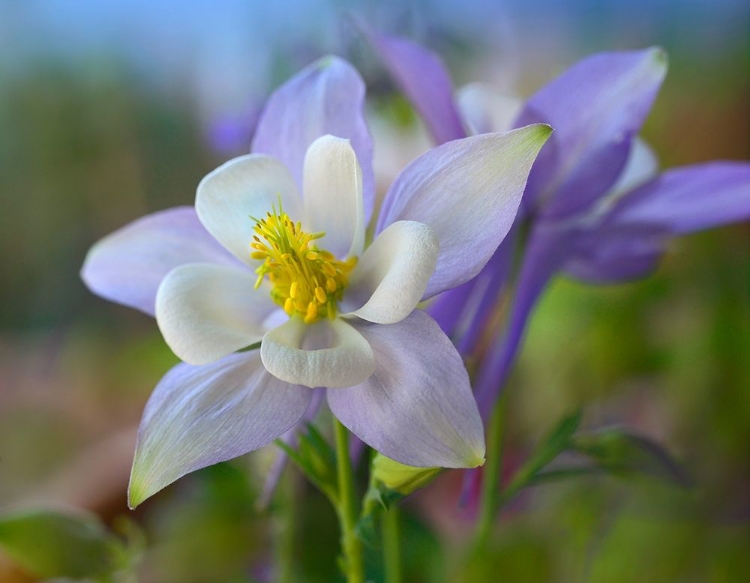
(351, 546)
(391, 548)
(489, 503)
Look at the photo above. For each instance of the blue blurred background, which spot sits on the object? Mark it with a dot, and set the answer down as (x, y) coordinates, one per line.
(110, 110)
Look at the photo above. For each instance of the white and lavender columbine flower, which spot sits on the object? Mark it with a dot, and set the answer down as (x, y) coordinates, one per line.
(275, 253)
(595, 205)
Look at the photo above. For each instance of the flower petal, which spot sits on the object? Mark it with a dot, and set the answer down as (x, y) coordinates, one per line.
(491, 283)
(324, 354)
(424, 80)
(596, 107)
(485, 110)
(128, 265)
(417, 407)
(202, 415)
(468, 191)
(327, 97)
(641, 166)
(690, 199)
(548, 249)
(249, 186)
(613, 253)
(391, 277)
(208, 311)
(333, 196)
(448, 307)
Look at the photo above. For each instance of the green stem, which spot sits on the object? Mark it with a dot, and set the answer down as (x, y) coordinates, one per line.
(391, 547)
(490, 500)
(351, 546)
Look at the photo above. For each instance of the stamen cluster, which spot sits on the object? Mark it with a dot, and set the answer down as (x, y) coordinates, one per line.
(307, 282)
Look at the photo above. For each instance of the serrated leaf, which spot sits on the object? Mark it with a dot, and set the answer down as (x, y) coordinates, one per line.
(55, 544)
(617, 451)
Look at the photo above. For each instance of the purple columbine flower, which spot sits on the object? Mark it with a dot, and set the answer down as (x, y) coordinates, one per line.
(595, 206)
(275, 252)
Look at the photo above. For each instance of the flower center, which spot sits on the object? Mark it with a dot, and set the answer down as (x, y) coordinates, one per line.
(307, 282)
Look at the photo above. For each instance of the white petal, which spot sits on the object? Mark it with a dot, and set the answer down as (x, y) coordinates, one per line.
(327, 97)
(335, 354)
(391, 277)
(485, 110)
(333, 196)
(199, 416)
(208, 311)
(242, 188)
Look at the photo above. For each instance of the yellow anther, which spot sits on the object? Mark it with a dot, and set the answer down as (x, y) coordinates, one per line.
(312, 313)
(289, 306)
(306, 281)
(329, 269)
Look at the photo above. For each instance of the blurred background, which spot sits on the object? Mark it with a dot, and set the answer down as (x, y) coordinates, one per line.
(111, 110)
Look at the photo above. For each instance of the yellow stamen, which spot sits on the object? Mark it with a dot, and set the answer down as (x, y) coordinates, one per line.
(312, 313)
(306, 281)
(289, 306)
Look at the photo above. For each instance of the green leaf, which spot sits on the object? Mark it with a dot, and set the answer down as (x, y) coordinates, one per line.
(557, 441)
(317, 460)
(619, 452)
(55, 544)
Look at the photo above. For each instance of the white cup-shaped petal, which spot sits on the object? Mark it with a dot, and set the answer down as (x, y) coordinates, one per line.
(325, 354)
(243, 188)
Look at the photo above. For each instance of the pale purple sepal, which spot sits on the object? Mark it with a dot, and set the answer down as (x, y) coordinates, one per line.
(128, 265)
(424, 80)
(468, 191)
(613, 254)
(547, 251)
(596, 108)
(202, 415)
(417, 407)
(689, 199)
(327, 97)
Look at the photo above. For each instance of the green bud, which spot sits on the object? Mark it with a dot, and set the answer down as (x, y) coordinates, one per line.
(400, 477)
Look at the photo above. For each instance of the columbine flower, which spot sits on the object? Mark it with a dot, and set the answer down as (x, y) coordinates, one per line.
(596, 206)
(298, 277)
